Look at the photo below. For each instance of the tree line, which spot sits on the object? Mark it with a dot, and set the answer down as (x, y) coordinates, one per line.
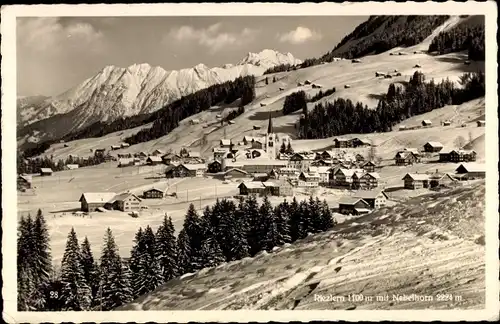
(460, 38)
(399, 103)
(298, 100)
(33, 165)
(226, 231)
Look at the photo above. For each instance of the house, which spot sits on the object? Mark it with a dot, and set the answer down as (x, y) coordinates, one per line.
(126, 202)
(321, 163)
(316, 86)
(189, 170)
(369, 166)
(375, 198)
(356, 142)
(99, 152)
(194, 155)
(115, 147)
(124, 162)
(288, 173)
(446, 123)
(353, 206)
(235, 174)
(154, 160)
(225, 143)
(171, 158)
(325, 155)
(441, 180)
(309, 180)
(194, 121)
(471, 171)
(153, 193)
(219, 152)
(272, 188)
(416, 180)
(426, 123)
(157, 152)
(462, 156)
(415, 152)
(24, 182)
(71, 166)
(252, 188)
(405, 158)
(260, 165)
(342, 143)
(261, 176)
(481, 123)
(301, 161)
(367, 181)
(322, 171)
(214, 167)
(433, 147)
(90, 201)
(124, 145)
(170, 171)
(343, 177)
(46, 172)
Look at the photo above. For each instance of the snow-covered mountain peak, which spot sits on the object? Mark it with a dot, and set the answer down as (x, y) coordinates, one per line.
(268, 58)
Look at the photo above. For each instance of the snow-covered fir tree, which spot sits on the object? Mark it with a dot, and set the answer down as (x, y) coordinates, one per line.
(147, 276)
(268, 232)
(211, 253)
(254, 223)
(183, 253)
(90, 269)
(76, 293)
(296, 222)
(240, 248)
(327, 220)
(282, 218)
(166, 249)
(194, 235)
(25, 273)
(41, 259)
(115, 289)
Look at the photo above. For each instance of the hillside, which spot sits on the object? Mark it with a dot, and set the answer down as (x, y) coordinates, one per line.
(434, 242)
(116, 92)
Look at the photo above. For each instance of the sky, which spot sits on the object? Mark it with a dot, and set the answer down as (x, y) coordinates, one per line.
(55, 54)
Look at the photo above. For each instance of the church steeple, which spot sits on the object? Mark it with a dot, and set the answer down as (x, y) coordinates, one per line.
(270, 125)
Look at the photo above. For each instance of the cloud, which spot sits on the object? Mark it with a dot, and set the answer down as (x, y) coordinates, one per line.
(211, 37)
(48, 36)
(299, 35)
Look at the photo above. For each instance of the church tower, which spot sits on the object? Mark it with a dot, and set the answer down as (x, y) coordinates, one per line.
(271, 140)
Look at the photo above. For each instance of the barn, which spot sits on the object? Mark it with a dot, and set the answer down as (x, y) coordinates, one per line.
(354, 206)
(90, 201)
(153, 193)
(46, 171)
(416, 181)
(433, 147)
(471, 171)
(252, 188)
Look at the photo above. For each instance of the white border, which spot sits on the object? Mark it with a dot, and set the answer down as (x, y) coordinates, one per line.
(8, 50)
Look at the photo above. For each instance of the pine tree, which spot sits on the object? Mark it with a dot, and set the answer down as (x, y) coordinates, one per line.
(240, 248)
(193, 232)
(76, 293)
(166, 249)
(211, 253)
(90, 269)
(115, 289)
(268, 233)
(296, 222)
(41, 259)
(148, 275)
(254, 223)
(314, 221)
(135, 253)
(283, 223)
(327, 220)
(183, 253)
(25, 271)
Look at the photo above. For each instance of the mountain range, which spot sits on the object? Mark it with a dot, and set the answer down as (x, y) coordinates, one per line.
(116, 92)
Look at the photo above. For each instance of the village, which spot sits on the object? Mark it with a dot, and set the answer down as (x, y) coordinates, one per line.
(350, 175)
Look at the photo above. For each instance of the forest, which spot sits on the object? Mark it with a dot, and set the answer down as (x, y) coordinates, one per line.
(226, 231)
(33, 165)
(399, 103)
(298, 100)
(463, 37)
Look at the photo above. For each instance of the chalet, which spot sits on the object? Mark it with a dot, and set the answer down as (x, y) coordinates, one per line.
(261, 176)
(471, 171)
(219, 152)
(170, 171)
(124, 162)
(189, 170)
(115, 147)
(225, 143)
(462, 156)
(343, 177)
(426, 123)
(309, 180)
(157, 152)
(24, 182)
(375, 198)
(288, 173)
(322, 171)
(481, 123)
(99, 152)
(441, 180)
(415, 152)
(405, 158)
(356, 181)
(300, 161)
(171, 158)
(252, 188)
(325, 155)
(347, 86)
(71, 166)
(446, 123)
(46, 172)
(124, 145)
(154, 160)
(354, 206)
(272, 188)
(299, 84)
(316, 86)
(368, 180)
(235, 174)
(444, 155)
(90, 201)
(369, 166)
(433, 147)
(153, 193)
(214, 167)
(126, 202)
(416, 180)
(342, 143)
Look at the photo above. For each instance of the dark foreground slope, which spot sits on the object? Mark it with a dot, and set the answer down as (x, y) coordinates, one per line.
(424, 247)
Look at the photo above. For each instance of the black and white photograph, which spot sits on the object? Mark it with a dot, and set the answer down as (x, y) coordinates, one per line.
(310, 159)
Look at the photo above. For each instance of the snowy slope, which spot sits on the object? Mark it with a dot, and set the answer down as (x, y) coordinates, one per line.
(432, 245)
(140, 88)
